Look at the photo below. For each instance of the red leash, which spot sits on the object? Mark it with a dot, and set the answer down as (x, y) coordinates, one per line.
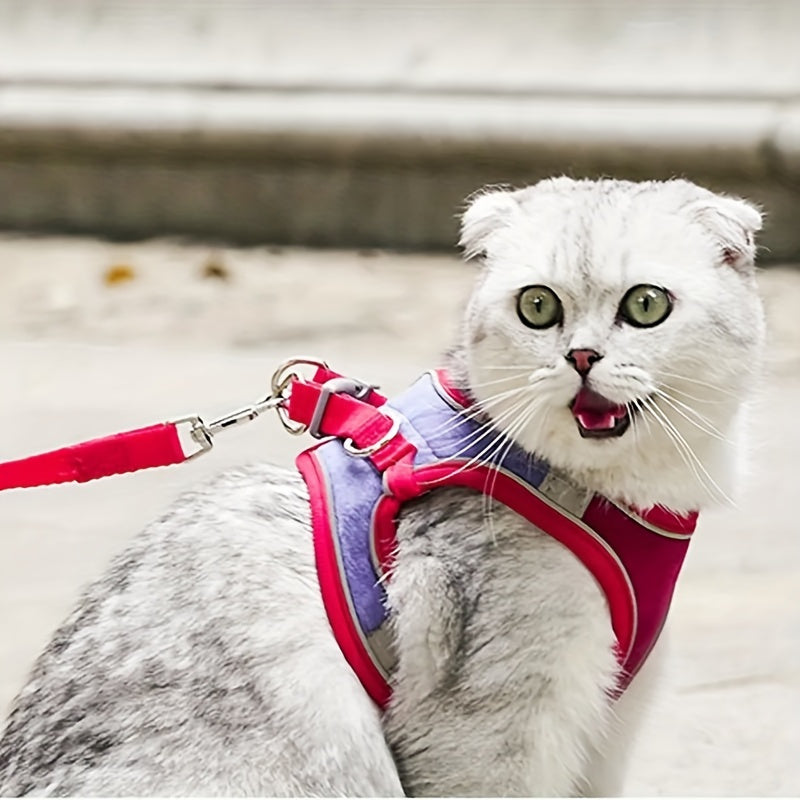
(157, 445)
(154, 446)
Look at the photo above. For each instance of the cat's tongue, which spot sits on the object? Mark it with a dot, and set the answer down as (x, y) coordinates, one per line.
(596, 413)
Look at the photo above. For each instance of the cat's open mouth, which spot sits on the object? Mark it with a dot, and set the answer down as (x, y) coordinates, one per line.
(598, 417)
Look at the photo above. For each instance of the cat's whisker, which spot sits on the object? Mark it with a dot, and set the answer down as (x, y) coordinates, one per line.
(704, 400)
(486, 499)
(496, 465)
(681, 443)
(535, 435)
(714, 387)
(481, 384)
(639, 404)
(477, 410)
(537, 378)
(669, 391)
(667, 426)
(483, 458)
(523, 367)
(537, 409)
(508, 435)
(701, 423)
(497, 442)
(487, 431)
(708, 483)
(679, 448)
(634, 426)
(699, 420)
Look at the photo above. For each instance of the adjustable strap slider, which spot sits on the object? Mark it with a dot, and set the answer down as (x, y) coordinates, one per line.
(357, 389)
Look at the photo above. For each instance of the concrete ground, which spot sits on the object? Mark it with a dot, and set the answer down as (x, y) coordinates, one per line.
(97, 338)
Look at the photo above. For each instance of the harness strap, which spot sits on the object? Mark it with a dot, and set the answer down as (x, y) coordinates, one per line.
(366, 424)
(343, 416)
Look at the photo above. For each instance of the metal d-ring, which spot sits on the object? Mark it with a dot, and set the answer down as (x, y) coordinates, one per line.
(281, 381)
(363, 452)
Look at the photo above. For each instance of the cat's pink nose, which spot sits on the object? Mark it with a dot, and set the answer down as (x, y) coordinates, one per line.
(582, 360)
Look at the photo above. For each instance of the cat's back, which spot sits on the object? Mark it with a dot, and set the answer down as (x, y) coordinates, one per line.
(185, 644)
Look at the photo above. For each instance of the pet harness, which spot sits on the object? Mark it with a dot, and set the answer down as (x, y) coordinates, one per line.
(376, 455)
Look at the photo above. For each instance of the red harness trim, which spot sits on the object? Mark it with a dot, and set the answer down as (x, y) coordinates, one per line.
(337, 607)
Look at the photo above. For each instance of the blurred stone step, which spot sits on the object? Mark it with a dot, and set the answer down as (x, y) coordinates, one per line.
(366, 125)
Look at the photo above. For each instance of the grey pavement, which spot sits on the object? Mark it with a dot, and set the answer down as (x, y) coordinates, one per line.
(82, 358)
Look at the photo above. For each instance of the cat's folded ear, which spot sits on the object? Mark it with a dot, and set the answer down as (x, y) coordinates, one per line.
(487, 211)
(733, 223)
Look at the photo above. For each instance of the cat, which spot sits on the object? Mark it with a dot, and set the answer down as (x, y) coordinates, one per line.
(614, 331)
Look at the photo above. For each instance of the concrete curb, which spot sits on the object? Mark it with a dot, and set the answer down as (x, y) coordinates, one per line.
(354, 168)
(366, 124)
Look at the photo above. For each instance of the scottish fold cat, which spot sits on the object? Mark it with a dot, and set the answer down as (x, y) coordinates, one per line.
(613, 332)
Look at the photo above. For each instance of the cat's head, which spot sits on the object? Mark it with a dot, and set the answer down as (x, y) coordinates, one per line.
(615, 331)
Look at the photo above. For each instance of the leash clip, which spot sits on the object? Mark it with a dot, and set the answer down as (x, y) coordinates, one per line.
(202, 434)
(198, 433)
(246, 414)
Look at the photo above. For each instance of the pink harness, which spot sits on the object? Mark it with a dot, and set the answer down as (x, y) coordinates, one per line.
(378, 454)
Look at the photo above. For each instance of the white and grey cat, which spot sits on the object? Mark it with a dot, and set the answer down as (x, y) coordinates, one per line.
(203, 662)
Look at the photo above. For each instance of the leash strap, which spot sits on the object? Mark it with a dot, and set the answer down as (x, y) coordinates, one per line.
(157, 445)
(154, 446)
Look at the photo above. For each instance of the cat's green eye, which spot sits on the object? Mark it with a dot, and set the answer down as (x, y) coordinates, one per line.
(645, 306)
(538, 307)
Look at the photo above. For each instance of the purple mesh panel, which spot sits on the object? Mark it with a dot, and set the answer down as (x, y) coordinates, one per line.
(438, 432)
